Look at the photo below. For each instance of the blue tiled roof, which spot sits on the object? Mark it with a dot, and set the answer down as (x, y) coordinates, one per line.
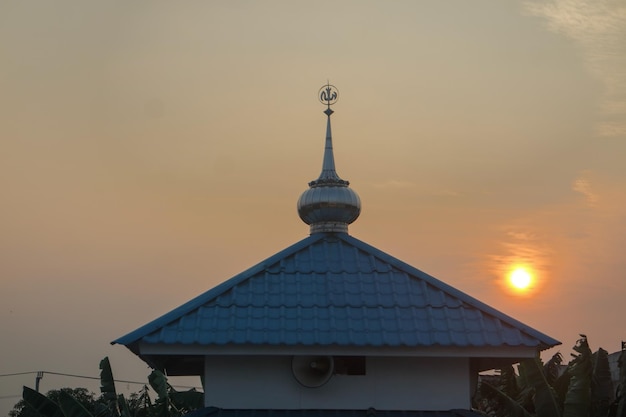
(333, 289)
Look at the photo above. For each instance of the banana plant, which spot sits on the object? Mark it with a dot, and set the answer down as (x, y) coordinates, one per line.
(546, 403)
(72, 407)
(172, 403)
(496, 402)
(620, 401)
(582, 390)
(578, 398)
(108, 393)
(169, 403)
(602, 395)
(158, 382)
(140, 403)
(41, 404)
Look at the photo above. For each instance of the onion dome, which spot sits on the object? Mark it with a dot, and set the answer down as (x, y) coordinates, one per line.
(329, 205)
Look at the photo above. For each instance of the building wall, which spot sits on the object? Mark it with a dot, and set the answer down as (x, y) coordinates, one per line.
(390, 383)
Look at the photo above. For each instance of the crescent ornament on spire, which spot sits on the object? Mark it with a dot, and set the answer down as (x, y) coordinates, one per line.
(328, 95)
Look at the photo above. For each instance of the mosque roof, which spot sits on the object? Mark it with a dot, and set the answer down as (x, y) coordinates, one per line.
(334, 290)
(331, 289)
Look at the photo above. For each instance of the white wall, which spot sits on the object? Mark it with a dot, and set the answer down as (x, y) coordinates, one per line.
(391, 383)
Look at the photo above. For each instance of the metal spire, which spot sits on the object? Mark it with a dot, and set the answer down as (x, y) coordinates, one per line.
(329, 205)
(328, 95)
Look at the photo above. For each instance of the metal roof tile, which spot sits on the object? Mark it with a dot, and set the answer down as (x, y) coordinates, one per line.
(332, 289)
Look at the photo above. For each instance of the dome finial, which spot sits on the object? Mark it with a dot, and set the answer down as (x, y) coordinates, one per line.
(329, 205)
(328, 95)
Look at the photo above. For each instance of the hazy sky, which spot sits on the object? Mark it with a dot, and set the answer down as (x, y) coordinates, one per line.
(151, 150)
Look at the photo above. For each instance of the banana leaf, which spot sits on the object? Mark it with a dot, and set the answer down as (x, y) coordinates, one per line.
(139, 403)
(621, 388)
(102, 410)
(505, 405)
(561, 385)
(72, 407)
(107, 388)
(551, 368)
(601, 383)
(158, 382)
(526, 395)
(143, 400)
(41, 404)
(578, 398)
(107, 383)
(545, 400)
(508, 382)
(123, 406)
(187, 400)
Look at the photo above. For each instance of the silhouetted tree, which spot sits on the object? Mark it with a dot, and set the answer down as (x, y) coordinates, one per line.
(68, 402)
(87, 399)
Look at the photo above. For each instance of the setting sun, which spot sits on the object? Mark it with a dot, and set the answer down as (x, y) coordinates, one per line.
(520, 278)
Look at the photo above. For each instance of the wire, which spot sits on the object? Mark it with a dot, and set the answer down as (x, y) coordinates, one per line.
(90, 377)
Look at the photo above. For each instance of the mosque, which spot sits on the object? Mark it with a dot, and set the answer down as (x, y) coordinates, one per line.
(334, 327)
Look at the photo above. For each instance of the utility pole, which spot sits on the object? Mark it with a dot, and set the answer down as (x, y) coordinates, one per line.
(37, 379)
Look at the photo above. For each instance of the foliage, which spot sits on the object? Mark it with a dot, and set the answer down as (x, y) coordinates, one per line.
(71, 407)
(158, 382)
(498, 403)
(107, 389)
(171, 402)
(620, 401)
(583, 389)
(545, 400)
(140, 402)
(601, 384)
(41, 404)
(48, 404)
(578, 399)
(551, 368)
(80, 402)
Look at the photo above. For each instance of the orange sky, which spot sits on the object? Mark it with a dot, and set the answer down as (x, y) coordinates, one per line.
(151, 150)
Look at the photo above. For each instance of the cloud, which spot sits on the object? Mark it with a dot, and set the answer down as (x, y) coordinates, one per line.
(397, 184)
(583, 185)
(522, 245)
(520, 235)
(424, 190)
(599, 29)
(445, 192)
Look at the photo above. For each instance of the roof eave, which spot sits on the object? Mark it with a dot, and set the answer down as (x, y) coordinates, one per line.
(504, 351)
